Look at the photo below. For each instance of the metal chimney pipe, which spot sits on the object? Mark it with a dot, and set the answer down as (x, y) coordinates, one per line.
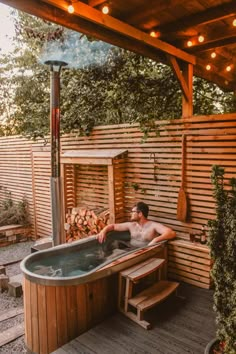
(56, 182)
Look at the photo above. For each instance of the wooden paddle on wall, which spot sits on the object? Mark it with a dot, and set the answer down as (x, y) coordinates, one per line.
(182, 198)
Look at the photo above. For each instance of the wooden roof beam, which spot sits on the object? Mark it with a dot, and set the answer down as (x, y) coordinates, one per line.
(140, 13)
(95, 3)
(212, 44)
(92, 22)
(210, 15)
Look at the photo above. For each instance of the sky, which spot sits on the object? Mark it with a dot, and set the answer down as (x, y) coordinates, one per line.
(6, 29)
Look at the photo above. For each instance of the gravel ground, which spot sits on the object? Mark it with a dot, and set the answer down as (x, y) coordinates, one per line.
(8, 254)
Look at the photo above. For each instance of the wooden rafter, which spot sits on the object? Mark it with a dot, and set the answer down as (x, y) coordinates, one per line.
(91, 21)
(120, 28)
(210, 15)
(95, 3)
(214, 43)
(142, 12)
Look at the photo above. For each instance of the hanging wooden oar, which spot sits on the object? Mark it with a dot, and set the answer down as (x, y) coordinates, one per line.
(182, 198)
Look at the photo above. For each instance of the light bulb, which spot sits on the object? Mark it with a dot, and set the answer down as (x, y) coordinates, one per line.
(201, 39)
(105, 9)
(234, 22)
(189, 43)
(213, 55)
(153, 34)
(208, 67)
(228, 68)
(70, 9)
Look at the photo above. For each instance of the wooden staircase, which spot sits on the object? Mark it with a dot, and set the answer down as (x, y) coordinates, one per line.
(152, 292)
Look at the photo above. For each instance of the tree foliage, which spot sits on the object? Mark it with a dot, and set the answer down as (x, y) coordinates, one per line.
(125, 88)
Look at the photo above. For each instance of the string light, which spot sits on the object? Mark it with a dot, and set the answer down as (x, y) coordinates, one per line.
(70, 8)
(234, 22)
(213, 55)
(153, 34)
(208, 67)
(201, 38)
(105, 9)
(228, 68)
(189, 43)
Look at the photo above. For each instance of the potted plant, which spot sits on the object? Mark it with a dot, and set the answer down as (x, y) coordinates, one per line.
(222, 244)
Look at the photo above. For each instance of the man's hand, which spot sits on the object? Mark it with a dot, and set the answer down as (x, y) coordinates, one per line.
(101, 237)
(152, 243)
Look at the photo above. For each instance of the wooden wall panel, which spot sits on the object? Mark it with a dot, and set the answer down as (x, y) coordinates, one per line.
(92, 186)
(152, 171)
(41, 168)
(16, 171)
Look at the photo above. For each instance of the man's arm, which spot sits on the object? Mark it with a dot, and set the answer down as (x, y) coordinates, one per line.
(166, 233)
(125, 226)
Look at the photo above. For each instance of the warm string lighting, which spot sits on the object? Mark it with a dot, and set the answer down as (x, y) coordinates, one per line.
(105, 9)
(70, 7)
(201, 38)
(154, 34)
(234, 22)
(213, 55)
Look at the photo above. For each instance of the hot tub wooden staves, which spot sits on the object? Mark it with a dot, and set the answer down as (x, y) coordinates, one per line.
(55, 314)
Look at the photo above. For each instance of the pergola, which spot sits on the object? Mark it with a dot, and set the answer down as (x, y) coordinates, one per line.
(195, 37)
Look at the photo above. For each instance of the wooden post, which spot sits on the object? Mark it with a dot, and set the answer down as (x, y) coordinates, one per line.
(34, 194)
(187, 104)
(111, 189)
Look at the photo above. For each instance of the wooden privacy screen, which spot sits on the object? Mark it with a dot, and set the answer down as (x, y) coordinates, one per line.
(41, 173)
(152, 173)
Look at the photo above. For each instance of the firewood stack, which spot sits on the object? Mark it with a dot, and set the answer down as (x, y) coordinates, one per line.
(84, 222)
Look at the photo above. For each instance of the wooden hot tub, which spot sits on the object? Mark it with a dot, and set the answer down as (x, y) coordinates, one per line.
(60, 304)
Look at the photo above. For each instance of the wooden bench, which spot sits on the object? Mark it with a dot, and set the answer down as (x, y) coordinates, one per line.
(148, 297)
(189, 262)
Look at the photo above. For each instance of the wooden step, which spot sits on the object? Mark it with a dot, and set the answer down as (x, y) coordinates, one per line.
(12, 333)
(153, 295)
(143, 269)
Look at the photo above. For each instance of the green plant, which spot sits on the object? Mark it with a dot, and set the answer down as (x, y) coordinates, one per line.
(222, 243)
(12, 212)
(135, 186)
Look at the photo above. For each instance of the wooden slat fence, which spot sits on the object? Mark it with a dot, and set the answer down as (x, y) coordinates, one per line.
(41, 168)
(152, 170)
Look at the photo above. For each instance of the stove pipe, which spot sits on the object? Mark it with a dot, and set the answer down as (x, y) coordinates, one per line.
(56, 182)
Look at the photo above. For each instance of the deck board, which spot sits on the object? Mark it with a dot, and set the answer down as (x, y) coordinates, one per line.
(179, 327)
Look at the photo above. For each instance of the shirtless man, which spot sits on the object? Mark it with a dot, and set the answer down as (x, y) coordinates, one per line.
(142, 230)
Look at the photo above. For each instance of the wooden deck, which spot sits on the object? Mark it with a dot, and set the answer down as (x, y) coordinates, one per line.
(179, 326)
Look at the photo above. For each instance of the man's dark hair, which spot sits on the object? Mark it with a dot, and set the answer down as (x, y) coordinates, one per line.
(143, 207)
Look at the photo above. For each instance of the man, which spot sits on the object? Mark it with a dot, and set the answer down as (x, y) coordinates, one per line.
(142, 230)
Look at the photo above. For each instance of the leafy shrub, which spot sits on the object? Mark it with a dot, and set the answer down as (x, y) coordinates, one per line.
(12, 212)
(222, 243)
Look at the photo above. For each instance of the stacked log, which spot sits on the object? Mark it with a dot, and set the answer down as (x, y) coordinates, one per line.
(84, 222)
